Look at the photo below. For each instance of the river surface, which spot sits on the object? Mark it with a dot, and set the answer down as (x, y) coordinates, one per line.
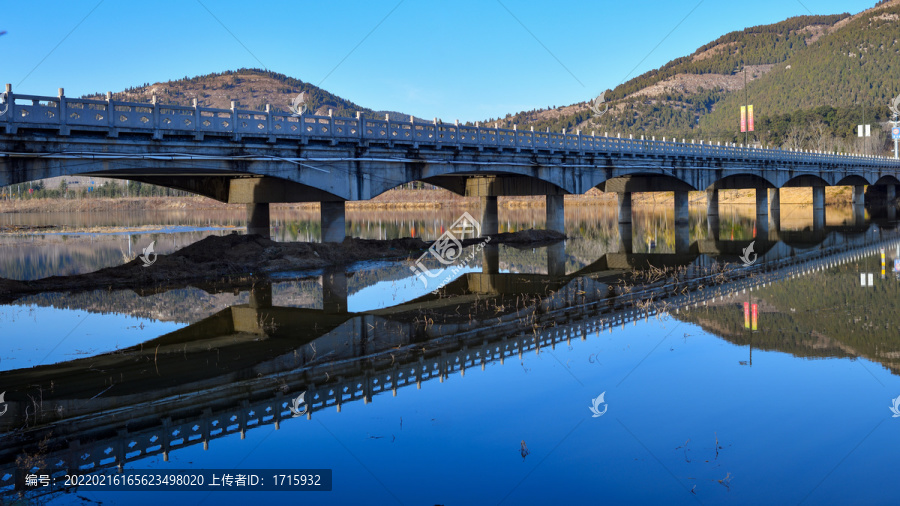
(655, 370)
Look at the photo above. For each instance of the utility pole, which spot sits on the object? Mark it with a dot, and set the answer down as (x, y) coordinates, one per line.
(746, 104)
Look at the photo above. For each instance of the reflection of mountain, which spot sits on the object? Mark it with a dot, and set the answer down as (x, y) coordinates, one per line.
(822, 314)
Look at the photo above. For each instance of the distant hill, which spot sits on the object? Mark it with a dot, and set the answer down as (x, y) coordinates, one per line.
(809, 79)
(251, 89)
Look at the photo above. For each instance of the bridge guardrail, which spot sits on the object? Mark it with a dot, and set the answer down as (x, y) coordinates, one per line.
(66, 114)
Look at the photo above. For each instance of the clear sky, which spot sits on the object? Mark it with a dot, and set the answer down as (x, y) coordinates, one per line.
(467, 60)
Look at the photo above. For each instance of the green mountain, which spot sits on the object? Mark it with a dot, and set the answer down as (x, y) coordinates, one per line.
(811, 80)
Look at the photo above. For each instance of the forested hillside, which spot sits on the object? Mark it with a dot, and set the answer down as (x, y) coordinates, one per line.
(811, 80)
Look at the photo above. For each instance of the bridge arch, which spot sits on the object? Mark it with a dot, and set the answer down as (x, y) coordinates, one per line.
(885, 180)
(743, 181)
(853, 180)
(480, 183)
(805, 180)
(642, 181)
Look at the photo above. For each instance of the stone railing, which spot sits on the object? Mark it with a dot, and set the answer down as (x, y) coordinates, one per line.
(160, 120)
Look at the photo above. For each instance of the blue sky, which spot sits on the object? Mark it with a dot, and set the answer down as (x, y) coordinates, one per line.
(470, 60)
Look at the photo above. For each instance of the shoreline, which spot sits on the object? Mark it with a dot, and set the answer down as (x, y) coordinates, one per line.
(242, 260)
(403, 200)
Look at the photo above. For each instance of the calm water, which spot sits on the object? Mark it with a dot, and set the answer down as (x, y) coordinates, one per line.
(483, 393)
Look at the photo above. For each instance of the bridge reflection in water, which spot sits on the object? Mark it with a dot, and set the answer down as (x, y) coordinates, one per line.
(240, 368)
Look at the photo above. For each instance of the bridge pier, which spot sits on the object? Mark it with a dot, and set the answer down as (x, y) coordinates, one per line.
(712, 203)
(858, 202)
(490, 259)
(625, 238)
(712, 227)
(556, 213)
(890, 194)
(334, 292)
(261, 296)
(556, 259)
(682, 238)
(258, 219)
(818, 194)
(624, 208)
(775, 207)
(682, 208)
(489, 216)
(762, 204)
(331, 215)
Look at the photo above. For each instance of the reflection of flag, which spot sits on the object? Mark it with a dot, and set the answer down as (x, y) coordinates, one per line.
(750, 118)
(746, 315)
(754, 316)
(743, 119)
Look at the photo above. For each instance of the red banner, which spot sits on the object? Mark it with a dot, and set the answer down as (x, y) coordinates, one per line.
(750, 118)
(743, 119)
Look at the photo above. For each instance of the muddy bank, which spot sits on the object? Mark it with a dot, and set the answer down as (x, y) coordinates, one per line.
(241, 260)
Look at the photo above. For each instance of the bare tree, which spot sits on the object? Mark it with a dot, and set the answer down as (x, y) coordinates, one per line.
(874, 144)
(796, 138)
(820, 136)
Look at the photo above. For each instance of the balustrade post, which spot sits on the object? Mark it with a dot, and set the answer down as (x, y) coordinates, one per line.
(435, 126)
(111, 115)
(360, 125)
(10, 114)
(270, 132)
(154, 118)
(331, 123)
(63, 112)
(234, 121)
(198, 134)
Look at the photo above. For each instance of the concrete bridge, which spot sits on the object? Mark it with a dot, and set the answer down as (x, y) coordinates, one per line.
(261, 157)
